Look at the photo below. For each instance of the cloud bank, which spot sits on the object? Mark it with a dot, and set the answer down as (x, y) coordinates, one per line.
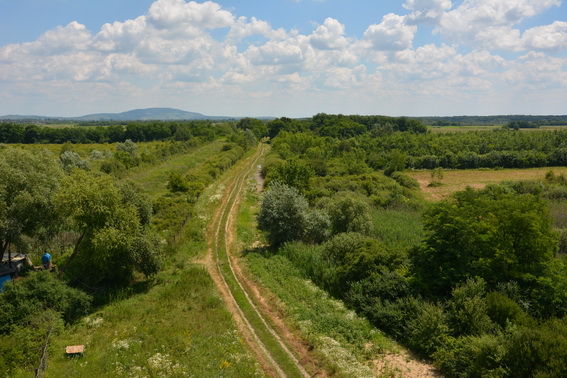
(202, 57)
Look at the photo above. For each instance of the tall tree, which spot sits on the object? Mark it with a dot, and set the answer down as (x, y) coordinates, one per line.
(493, 234)
(27, 188)
(114, 240)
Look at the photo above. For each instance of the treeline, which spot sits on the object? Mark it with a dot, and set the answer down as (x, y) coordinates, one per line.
(135, 131)
(480, 149)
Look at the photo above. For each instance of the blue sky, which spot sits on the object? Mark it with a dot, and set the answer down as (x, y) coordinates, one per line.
(284, 57)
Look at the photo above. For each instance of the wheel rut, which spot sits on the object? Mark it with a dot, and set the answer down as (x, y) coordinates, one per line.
(277, 357)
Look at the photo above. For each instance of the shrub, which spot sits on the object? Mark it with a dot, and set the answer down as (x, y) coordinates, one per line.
(283, 214)
(474, 356)
(428, 331)
(467, 309)
(36, 293)
(503, 310)
(405, 180)
(538, 352)
(176, 183)
(349, 213)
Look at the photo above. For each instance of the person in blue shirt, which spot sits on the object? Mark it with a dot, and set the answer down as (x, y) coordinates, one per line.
(46, 260)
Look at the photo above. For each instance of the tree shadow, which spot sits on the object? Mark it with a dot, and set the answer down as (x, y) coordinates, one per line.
(264, 250)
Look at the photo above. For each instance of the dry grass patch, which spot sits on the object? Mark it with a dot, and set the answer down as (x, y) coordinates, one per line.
(456, 180)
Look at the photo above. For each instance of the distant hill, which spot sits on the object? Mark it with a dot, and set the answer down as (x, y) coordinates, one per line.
(158, 114)
(162, 114)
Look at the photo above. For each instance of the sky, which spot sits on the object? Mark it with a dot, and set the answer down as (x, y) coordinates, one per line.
(293, 58)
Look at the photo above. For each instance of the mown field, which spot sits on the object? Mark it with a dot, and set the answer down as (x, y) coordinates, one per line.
(457, 180)
(461, 129)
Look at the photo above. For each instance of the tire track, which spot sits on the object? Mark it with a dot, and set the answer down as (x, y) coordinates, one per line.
(272, 352)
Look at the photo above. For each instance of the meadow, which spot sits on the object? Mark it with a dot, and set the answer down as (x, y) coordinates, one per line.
(457, 180)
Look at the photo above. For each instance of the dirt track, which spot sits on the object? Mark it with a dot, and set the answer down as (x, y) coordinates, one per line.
(277, 350)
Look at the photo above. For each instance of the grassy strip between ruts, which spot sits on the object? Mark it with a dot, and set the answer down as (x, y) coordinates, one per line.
(345, 342)
(178, 326)
(262, 331)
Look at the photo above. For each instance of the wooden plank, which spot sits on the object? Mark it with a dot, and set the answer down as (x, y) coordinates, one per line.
(75, 349)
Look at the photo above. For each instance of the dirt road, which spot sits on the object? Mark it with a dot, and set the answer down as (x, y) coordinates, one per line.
(277, 351)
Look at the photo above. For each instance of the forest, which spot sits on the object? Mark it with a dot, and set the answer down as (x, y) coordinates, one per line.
(475, 283)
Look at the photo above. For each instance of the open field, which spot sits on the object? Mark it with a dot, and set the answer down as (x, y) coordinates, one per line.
(456, 180)
(460, 129)
(154, 180)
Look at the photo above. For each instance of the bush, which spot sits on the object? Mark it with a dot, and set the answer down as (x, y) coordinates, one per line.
(503, 310)
(428, 331)
(538, 352)
(285, 216)
(405, 180)
(349, 213)
(467, 309)
(176, 183)
(474, 356)
(36, 293)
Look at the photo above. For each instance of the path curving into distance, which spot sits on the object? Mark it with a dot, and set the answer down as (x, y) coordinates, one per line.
(275, 355)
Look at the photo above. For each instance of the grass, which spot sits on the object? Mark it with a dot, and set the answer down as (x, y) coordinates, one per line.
(398, 229)
(154, 180)
(261, 330)
(345, 341)
(180, 327)
(457, 180)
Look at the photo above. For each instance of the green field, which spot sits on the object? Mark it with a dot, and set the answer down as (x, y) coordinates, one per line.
(153, 180)
(460, 129)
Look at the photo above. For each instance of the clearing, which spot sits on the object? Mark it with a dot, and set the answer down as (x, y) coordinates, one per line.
(456, 180)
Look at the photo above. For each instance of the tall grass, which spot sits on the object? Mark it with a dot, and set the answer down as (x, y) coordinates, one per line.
(398, 229)
(178, 328)
(345, 341)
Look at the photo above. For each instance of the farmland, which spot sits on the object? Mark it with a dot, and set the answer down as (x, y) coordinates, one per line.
(457, 180)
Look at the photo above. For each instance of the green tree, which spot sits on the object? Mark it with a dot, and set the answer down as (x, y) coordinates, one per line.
(70, 160)
(292, 173)
(113, 238)
(176, 183)
(257, 126)
(349, 213)
(493, 234)
(285, 216)
(27, 188)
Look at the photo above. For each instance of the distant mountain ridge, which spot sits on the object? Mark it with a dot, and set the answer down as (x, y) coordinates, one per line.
(157, 114)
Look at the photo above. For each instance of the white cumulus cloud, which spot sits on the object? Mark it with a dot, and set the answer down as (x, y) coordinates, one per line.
(391, 34)
(329, 36)
(549, 37)
(427, 11)
(490, 23)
